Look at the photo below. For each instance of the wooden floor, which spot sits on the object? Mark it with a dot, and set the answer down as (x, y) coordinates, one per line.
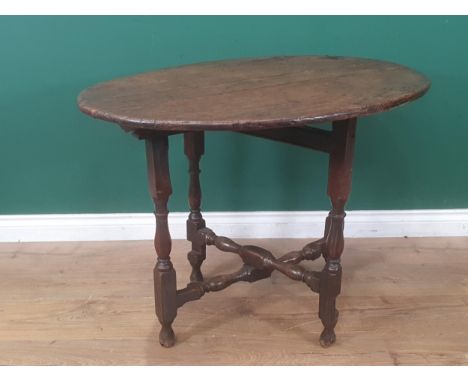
(404, 301)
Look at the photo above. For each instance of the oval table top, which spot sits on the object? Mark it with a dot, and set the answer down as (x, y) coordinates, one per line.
(251, 94)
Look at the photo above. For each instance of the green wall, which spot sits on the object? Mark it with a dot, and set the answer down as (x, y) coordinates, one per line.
(53, 159)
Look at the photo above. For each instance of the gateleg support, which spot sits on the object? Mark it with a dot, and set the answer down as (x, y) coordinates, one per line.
(194, 148)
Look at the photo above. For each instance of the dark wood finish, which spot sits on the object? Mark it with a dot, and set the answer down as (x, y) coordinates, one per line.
(264, 262)
(273, 98)
(311, 251)
(308, 137)
(196, 290)
(263, 93)
(194, 147)
(165, 288)
(339, 187)
(261, 259)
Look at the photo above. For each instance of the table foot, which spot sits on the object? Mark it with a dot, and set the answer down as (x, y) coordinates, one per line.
(327, 338)
(166, 336)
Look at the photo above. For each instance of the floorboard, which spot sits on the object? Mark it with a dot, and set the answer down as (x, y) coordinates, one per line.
(403, 302)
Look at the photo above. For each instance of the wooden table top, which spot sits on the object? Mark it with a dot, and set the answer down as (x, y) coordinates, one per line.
(254, 94)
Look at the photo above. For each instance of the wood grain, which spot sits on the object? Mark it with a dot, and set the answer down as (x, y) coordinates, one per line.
(404, 302)
(251, 94)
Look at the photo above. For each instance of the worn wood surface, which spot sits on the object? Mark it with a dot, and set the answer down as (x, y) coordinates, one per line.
(253, 94)
(404, 301)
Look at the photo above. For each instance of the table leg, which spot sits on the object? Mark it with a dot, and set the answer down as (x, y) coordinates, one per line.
(194, 149)
(165, 288)
(339, 187)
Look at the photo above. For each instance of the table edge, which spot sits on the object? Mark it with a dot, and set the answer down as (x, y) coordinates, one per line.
(174, 125)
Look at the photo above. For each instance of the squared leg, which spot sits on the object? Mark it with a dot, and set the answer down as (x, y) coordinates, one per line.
(339, 187)
(165, 288)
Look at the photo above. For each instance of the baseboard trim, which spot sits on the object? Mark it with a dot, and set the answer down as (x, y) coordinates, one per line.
(302, 224)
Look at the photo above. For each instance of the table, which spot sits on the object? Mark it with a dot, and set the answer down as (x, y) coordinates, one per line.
(275, 98)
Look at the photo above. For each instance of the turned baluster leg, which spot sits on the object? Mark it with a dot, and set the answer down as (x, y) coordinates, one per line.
(165, 289)
(339, 187)
(194, 149)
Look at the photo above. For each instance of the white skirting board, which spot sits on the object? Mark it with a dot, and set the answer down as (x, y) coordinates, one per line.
(302, 224)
